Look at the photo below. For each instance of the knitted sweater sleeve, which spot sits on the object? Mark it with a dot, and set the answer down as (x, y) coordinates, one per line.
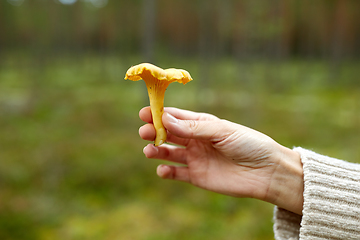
(331, 201)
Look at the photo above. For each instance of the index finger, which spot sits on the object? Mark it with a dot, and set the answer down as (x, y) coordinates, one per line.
(145, 114)
(189, 115)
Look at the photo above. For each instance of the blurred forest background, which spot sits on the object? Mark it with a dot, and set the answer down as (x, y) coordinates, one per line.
(71, 161)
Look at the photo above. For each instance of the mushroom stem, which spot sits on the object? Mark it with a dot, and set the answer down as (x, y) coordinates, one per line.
(156, 90)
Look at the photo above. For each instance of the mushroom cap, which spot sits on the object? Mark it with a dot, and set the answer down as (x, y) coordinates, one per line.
(137, 72)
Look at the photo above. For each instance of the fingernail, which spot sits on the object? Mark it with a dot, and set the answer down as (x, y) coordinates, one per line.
(171, 118)
(163, 171)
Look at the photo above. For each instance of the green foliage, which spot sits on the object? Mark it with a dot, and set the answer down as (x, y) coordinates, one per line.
(71, 160)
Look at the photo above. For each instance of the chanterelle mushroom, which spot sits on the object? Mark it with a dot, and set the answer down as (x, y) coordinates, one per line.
(157, 80)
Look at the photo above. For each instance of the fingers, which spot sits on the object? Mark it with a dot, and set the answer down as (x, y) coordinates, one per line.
(173, 172)
(166, 152)
(145, 114)
(213, 131)
(189, 115)
(181, 131)
(171, 138)
(147, 132)
(171, 153)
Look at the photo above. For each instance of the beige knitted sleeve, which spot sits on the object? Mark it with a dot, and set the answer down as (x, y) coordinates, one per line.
(331, 201)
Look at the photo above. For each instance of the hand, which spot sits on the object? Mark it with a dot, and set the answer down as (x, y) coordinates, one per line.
(225, 157)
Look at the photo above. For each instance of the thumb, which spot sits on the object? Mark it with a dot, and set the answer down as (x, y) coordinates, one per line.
(213, 130)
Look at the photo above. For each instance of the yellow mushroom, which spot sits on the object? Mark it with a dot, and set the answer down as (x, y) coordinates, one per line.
(157, 80)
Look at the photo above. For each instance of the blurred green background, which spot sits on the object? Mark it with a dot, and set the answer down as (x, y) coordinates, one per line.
(71, 161)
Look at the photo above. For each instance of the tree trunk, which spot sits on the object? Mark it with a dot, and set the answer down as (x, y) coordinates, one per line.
(148, 30)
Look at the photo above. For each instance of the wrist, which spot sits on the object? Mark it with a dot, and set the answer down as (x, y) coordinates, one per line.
(287, 183)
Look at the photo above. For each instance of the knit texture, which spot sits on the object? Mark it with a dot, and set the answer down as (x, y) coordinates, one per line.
(331, 201)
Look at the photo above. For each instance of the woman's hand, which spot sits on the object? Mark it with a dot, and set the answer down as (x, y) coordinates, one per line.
(225, 157)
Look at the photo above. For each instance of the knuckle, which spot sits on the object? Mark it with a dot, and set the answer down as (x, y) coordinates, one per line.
(193, 125)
